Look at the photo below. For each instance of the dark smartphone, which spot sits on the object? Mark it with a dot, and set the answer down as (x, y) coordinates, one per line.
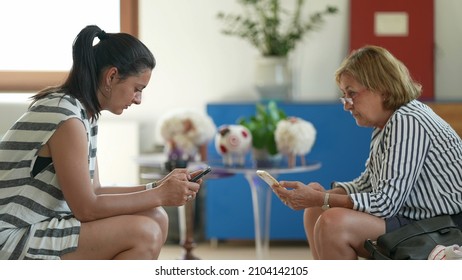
(202, 174)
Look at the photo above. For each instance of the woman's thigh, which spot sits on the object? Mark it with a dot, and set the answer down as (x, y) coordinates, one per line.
(349, 226)
(106, 238)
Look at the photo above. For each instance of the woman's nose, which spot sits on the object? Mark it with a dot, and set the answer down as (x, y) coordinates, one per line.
(137, 98)
(347, 106)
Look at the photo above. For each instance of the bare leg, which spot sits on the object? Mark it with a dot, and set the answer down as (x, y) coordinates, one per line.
(340, 233)
(139, 236)
(310, 217)
(160, 216)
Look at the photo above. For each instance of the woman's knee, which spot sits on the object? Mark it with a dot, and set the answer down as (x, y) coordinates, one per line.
(343, 231)
(147, 235)
(332, 221)
(160, 216)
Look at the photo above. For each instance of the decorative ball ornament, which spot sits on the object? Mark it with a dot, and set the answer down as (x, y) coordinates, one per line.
(294, 137)
(183, 132)
(233, 142)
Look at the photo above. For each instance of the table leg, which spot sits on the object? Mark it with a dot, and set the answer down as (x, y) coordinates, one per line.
(187, 232)
(261, 202)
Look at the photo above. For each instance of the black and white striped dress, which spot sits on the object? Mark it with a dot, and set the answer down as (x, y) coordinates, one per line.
(35, 220)
(414, 167)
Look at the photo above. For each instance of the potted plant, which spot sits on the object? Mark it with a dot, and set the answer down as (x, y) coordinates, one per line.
(274, 30)
(262, 127)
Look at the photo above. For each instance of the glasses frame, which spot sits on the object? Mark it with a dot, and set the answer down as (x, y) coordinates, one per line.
(346, 100)
(350, 100)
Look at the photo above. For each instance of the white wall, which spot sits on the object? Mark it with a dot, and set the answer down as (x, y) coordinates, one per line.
(12, 106)
(118, 147)
(197, 64)
(448, 46)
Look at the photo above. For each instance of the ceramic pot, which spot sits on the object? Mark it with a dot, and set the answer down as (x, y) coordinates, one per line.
(273, 78)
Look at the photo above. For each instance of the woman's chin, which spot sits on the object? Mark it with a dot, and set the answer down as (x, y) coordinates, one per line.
(361, 123)
(117, 112)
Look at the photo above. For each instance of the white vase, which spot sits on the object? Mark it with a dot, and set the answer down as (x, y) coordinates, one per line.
(273, 78)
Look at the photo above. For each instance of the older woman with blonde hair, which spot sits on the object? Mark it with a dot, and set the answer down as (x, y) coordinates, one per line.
(413, 171)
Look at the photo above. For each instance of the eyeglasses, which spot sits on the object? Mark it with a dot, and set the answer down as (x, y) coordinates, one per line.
(346, 100)
(349, 100)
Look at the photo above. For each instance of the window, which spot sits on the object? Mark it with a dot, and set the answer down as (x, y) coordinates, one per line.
(45, 27)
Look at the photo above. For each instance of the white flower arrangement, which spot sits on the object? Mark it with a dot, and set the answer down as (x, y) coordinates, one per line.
(294, 137)
(184, 131)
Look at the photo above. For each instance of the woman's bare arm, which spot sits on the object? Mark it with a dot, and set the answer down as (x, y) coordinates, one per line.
(69, 150)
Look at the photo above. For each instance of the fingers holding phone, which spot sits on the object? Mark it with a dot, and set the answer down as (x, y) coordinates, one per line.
(198, 175)
(176, 188)
(272, 182)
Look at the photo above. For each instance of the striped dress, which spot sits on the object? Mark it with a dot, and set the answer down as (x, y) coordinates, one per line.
(35, 220)
(414, 167)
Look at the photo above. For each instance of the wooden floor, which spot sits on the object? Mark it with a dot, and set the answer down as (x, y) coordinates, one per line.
(239, 250)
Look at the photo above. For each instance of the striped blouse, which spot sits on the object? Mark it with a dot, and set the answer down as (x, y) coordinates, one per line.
(414, 167)
(35, 220)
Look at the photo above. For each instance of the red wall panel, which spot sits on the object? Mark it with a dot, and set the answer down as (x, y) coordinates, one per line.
(415, 50)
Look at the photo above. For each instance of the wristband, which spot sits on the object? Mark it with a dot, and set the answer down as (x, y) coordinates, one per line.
(151, 185)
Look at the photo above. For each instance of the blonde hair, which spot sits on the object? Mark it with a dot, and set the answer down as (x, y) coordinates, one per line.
(378, 70)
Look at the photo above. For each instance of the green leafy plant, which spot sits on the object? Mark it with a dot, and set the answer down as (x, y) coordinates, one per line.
(262, 126)
(273, 30)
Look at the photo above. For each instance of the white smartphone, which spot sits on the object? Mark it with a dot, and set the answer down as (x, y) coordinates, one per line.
(270, 180)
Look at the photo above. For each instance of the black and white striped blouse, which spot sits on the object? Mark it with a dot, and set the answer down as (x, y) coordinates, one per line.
(35, 220)
(414, 167)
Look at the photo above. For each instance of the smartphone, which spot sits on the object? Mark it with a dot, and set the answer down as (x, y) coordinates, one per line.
(270, 180)
(200, 175)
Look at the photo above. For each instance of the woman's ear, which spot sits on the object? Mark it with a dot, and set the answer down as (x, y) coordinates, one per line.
(109, 76)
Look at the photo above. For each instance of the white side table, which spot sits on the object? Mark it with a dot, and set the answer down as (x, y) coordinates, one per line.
(261, 199)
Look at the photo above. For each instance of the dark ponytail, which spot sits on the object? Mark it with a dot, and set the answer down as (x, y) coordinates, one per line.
(123, 51)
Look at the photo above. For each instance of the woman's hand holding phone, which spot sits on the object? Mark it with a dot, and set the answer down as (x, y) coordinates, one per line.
(271, 181)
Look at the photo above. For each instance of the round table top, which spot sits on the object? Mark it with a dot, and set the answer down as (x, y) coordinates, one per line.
(220, 170)
(310, 166)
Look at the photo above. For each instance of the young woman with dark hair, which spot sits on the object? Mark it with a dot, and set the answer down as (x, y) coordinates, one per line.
(52, 205)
